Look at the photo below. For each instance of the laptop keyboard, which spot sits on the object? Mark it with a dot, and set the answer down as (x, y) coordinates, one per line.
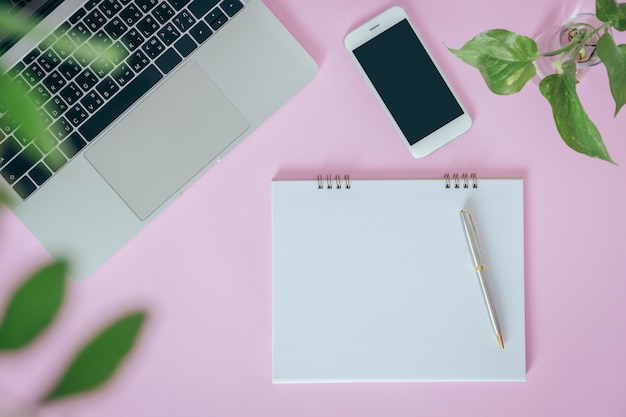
(80, 94)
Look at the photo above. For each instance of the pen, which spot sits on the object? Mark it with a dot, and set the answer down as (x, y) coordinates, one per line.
(481, 271)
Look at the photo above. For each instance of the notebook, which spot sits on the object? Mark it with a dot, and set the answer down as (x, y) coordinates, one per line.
(191, 80)
(373, 280)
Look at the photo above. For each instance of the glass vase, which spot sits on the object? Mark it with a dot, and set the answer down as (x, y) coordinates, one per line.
(558, 38)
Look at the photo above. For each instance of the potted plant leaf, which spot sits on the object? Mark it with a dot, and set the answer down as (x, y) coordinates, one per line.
(36, 302)
(507, 61)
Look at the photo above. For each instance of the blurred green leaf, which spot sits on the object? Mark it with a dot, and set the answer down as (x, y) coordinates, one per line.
(614, 59)
(572, 122)
(98, 360)
(14, 24)
(504, 59)
(21, 109)
(4, 198)
(33, 307)
(612, 12)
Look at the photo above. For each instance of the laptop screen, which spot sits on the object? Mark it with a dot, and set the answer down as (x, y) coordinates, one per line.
(32, 9)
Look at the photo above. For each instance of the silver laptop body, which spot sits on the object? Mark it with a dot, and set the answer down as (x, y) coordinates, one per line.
(193, 117)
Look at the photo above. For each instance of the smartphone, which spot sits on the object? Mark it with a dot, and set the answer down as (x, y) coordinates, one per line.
(408, 83)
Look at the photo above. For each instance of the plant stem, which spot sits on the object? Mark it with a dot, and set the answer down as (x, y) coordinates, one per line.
(579, 40)
(565, 49)
(604, 26)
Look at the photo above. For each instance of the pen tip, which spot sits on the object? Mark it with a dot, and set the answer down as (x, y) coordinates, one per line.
(500, 340)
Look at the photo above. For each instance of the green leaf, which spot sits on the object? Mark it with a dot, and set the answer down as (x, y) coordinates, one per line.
(504, 59)
(612, 12)
(17, 25)
(14, 23)
(99, 359)
(614, 59)
(4, 198)
(33, 307)
(572, 122)
(21, 109)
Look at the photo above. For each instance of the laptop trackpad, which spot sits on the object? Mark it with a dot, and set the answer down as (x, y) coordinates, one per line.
(179, 129)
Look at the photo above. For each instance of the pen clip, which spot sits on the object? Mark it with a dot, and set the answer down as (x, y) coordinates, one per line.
(472, 239)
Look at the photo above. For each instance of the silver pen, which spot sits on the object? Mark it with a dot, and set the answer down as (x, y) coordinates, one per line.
(481, 271)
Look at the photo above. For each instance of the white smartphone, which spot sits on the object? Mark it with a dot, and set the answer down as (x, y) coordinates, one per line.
(409, 85)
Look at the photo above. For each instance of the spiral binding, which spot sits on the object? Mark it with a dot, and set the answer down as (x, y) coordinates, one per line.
(329, 182)
(337, 182)
(463, 180)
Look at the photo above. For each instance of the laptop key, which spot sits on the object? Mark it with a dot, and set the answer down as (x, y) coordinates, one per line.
(61, 128)
(168, 61)
(185, 45)
(153, 47)
(138, 61)
(91, 4)
(123, 75)
(71, 93)
(200, 32)
(183, 21)
(64, 47)
(20, 164)
(169, 34)
(85, 55)
(231, 6)
(72, 145)
(101, 41)
(70, 68)
(55, 107)
(92, 101)
(31, 56)
(86, 79)
(163, 12)
(147, 26)
(146, 5)
(25, 187)
(40, 173)
(8, 149)
(120, 102)
(79, 33)
(201, 7)
(8, 123)
(107, 88)
(119, 53)
(23, 136)
(33, 73)
(216, 19)
(115, 28)
(95, 20)
(46, 143)
(16, 69)
(110, 7)
(132, 39)
(55, 160)
(131, 14)
(102, 66)
(49, 60)
(78, 14)
(47, 42)
(54, 82)
(178, 4)
(76, 114)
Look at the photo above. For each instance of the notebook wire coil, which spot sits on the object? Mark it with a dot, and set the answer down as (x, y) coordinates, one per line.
(330, 182)
(461, 181)
(456, 180)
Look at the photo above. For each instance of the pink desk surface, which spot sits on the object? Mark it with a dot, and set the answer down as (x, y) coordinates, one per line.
(203, 267)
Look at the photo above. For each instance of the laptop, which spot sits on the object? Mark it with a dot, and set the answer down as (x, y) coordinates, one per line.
(194, 79)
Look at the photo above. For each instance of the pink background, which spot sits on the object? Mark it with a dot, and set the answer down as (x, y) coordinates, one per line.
(203, 267)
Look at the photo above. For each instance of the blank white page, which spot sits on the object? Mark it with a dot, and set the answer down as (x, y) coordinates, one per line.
(376, 282)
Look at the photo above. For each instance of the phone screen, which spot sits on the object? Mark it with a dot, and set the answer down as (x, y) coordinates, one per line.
(408, 82)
